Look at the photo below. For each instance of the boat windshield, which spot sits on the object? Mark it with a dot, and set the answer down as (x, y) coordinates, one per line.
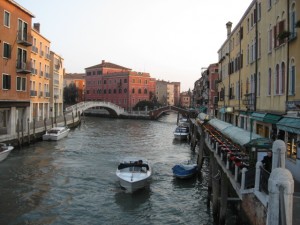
(53, 131)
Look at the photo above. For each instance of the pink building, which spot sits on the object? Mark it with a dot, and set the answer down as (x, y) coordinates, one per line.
(119, 85)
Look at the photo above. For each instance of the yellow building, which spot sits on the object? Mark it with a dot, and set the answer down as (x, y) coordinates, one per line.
(258, 83)
(40, 75)
(253, 64)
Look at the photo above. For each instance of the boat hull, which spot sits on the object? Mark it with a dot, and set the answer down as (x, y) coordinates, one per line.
(133, 176)
(185, 171)
(55, 137)
(132, 186)
(5, 153)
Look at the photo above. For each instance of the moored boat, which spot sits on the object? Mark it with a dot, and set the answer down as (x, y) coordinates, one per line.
(134, 173)
(5, 150)
(56, 133)
(181, 133)
(184, 171)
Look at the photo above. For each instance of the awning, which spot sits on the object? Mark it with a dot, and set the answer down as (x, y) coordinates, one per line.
(222, 110)
(289, 124)
(266, 117)
(236, 134)
(203, 109)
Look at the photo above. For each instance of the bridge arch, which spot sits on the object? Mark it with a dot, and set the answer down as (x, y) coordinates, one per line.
(112, 108)
(155, 114)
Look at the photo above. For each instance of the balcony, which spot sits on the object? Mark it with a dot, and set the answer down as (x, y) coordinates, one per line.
(48, 56)
(33, 93)
(34, 49)
(23, 67)
(47, 75)
(24, 39)
(47, 94)
(248, 101)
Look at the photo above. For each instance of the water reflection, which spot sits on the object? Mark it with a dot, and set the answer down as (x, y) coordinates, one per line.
(131, 201)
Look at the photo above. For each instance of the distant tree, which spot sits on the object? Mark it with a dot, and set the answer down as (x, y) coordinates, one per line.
(143, 104)
(70, 94)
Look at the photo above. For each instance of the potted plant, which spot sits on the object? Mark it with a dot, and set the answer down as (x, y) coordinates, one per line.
(284, 34)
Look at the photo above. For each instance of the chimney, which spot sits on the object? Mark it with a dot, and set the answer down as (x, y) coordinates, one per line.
(36, 26)
(103, 61)
(228, 26)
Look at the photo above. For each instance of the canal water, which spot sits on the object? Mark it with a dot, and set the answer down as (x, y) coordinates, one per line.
(73, 181)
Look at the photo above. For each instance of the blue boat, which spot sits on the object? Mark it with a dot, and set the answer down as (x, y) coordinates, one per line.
(184, 171)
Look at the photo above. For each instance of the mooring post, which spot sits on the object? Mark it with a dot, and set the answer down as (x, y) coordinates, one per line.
(209, 184)
(224, 196)
(34, 137)
(215, 187)
(22, 132)
(281, 189)
(28, 129)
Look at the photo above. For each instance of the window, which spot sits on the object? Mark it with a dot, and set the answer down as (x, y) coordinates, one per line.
(282, 78)
(277, 80)
(292, 78)
(259, 11)
(133, 90)
(293, 21)
(145, 91)
(6, 81)
(258, 84)
(140, 91)
(22, 58)
(6, 50)
(21, 84)
(269, 4)
(6, 19)
(22, 30)
(270, 82)
(270, 39)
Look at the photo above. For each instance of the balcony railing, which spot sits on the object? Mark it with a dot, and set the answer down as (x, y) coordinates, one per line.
(24, 39)
(248, 101)
(23, 67)
(33, 93)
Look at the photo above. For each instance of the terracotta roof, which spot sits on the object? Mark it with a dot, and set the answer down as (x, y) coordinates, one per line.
(108, 65)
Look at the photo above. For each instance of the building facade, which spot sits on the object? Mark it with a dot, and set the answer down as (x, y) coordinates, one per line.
(78, 79)
(15, 67)
(119, 85)
(40, 75)
(185, 99)
(57, 72)
(258, 64)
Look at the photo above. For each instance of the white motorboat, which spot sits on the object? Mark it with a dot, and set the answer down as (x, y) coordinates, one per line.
(56, 133)
(181, 133)
(183, 121)
(134, 173)
(5, 150)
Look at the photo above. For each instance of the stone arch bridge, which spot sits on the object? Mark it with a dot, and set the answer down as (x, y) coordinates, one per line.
(117, 111)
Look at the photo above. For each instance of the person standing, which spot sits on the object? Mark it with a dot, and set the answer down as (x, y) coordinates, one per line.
(267, 161)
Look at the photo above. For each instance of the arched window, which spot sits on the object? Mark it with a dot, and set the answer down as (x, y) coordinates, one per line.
(104, 91)
(269, 81)
(125, 90)
(277, 80)
(293, 21)
(109, 91)
(282, 78)
(115, 91)
(145, 91)
(292, 78)
(140, 91)
(120, 91)
(133, 90)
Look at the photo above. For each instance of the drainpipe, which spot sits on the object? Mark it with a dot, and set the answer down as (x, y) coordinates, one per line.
(256, 55)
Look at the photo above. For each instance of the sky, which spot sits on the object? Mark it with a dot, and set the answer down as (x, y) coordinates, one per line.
(173, 40)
